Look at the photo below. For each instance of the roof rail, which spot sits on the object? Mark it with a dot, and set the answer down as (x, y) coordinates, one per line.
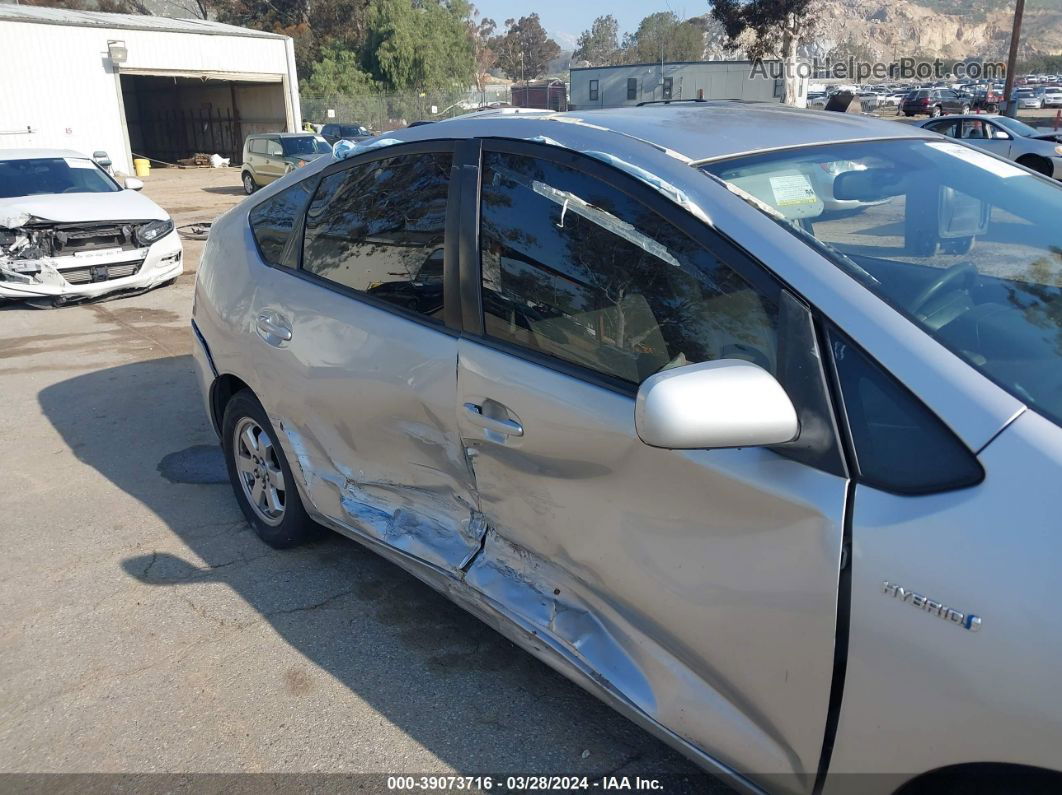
(669, 101)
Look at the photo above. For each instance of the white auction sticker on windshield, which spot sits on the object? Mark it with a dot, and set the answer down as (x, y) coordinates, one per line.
(77, 162)
(792, 190)
(1000, 168)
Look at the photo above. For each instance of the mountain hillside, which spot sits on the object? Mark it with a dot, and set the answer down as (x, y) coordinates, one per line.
(887, 30)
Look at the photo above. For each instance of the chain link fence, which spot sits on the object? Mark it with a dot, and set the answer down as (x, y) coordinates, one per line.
(380, 112)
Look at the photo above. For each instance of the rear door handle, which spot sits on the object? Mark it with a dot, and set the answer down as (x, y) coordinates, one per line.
(273, 328)
(505, 427)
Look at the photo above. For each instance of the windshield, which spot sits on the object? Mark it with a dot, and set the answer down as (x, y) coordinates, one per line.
(305, 145)
(52, 175)
(966, 245)
(1015, 126)
(353, 129)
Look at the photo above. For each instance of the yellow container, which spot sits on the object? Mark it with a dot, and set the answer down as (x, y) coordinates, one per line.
(142, 167)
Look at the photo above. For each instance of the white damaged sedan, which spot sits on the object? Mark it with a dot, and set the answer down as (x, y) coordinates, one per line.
(69, 232)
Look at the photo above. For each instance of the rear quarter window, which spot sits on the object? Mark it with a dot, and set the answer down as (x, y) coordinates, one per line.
(273, 221)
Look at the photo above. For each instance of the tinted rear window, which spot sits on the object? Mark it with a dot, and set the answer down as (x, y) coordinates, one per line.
(305, 145)
(378, 228)
(273, 220)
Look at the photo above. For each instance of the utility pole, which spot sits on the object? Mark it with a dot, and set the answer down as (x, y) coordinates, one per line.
(1012, 60)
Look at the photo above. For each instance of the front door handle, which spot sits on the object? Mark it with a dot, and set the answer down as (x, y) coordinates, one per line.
(273, 328)
(504, 427)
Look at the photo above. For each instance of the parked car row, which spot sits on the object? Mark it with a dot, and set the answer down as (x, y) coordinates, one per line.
(1006, 137)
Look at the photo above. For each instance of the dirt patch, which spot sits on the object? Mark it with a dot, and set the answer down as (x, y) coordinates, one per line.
(134, 314)
(297, 681)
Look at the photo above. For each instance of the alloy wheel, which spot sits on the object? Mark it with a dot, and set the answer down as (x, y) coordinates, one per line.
(259, 471)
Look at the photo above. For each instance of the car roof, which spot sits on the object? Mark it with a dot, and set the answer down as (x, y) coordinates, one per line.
(33, 154)
(696, 131)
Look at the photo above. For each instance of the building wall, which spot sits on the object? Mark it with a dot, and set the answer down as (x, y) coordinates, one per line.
(716, 79)
(61, 90)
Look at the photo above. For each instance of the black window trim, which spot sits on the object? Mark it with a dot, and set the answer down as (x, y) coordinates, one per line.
(758, 277)
(829, 330)
(451, 313)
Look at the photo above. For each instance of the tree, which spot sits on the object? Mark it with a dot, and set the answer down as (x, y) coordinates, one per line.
(769, 28)
(480, 33)
(600, 44)
(338, 72)
(663, 36)
(314, 25)
(524, 50)
(424, 47)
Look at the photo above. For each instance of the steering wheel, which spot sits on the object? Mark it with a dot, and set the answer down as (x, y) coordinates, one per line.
(961, 271)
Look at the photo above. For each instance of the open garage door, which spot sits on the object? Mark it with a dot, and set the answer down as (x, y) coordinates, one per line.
(170, 117)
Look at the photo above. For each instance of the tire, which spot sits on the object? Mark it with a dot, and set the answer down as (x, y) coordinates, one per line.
(249, 185)
(253, 457)
(965, 109)
(936, 111)
(1037, 164)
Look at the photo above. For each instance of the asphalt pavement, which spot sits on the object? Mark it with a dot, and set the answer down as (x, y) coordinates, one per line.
(146, 629)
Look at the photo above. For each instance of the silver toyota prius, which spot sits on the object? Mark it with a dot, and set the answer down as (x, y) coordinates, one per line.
(776, 480)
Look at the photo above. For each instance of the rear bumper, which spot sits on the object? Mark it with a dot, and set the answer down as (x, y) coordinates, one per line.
(163, 261)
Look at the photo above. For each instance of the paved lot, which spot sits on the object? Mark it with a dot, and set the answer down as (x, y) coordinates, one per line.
(147, 629)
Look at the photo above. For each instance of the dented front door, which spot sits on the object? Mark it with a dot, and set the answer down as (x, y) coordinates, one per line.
(701, 586)
(360, 366)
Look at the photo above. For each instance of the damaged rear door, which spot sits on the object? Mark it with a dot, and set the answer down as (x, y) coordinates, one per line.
(700, 586)
(357, 358)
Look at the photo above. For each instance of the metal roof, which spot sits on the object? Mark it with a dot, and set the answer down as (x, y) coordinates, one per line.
(96, 19)
(34, 154)
(696, 130)
(657, 64)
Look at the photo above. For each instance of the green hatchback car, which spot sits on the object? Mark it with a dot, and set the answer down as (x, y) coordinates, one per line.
(269, 156)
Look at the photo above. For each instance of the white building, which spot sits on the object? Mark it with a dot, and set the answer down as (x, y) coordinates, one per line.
(630, 84)
(158, 87)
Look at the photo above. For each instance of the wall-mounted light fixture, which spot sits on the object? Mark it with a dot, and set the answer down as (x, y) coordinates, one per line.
(117, 51)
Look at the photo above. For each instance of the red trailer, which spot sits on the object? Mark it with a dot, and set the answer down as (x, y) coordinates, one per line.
(547, 94)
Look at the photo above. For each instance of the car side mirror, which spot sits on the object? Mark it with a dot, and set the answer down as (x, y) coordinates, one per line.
(132, 183)
(725, 403)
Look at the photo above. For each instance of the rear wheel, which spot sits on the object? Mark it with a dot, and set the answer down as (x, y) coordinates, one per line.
(965, 109)
(249, 185)
(261, 478)
(936, 111)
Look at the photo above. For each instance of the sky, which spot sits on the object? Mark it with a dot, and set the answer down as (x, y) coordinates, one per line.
(565, 20)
